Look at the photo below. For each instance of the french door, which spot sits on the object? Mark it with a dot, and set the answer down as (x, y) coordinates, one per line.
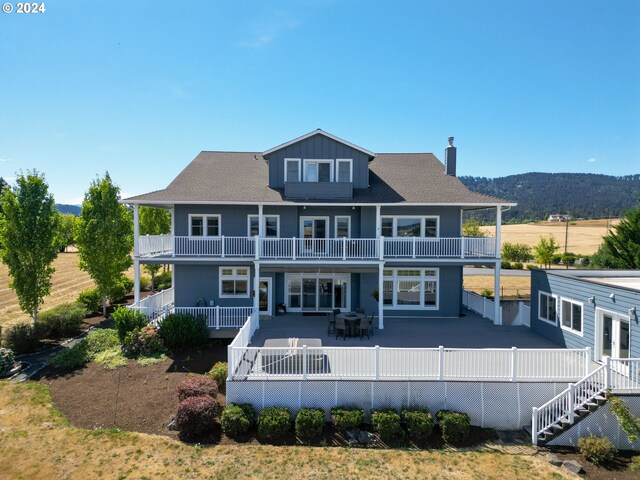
(314, 230)
(612, 337)
(265, 295)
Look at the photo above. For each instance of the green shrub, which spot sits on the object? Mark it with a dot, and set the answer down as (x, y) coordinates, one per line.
(127, 320)
(120, 290)
(486, 293)
(72, 358)
(568, 258)
(143, 341)
(598, 450)
(517, 266)
(455, 426)
(195, 417)
(90, 299)
(309, 422)
(234, 422)
(7, 361)
(274, 423)
(164, 277)
(347, 418)
(145, 283)
(419, 423)
(249, 413)
(387, 424)
(110, 359)
(219, 373)
(635, 464)
(23, 338)
(556, 259)
(197, 387)
(181, 330)
(100, 340)
(531, 267)
(516, 252)
(63, 320)
(505, 265)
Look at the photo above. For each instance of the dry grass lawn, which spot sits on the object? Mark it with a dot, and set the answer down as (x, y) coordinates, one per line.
(509, 285)
(585, 236)
(68, 281)
(36, 442)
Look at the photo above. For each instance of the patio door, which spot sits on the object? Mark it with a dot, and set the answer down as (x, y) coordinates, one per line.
(265, 296)
(612, 335)
(314, 230)
(317, 292)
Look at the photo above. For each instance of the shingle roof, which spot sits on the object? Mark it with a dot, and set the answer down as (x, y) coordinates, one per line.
(242, 177)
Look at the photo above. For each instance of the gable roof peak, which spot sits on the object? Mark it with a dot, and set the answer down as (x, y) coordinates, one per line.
(319, 131)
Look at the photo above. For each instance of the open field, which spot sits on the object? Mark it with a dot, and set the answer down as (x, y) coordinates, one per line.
(68, 281)
(585, 236)
(510, 286)
(36, 442)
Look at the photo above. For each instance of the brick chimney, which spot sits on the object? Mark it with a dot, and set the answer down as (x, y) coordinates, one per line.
(450, 159)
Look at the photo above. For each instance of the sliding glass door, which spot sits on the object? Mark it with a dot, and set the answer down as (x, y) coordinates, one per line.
(320, 292)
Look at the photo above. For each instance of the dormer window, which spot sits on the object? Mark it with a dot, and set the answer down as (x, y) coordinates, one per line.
(344, 171)
(292, 170)
(318, 170)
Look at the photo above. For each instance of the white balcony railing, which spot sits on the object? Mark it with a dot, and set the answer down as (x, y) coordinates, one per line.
(317, 248)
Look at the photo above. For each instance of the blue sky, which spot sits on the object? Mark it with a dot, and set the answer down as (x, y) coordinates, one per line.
(139, 88)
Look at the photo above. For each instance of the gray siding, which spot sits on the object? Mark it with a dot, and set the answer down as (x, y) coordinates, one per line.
(318, 147)
(198, 281)
(580, 290)
(449, 217)
(319, 190)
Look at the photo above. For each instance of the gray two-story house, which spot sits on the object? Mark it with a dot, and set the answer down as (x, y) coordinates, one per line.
(317, 224)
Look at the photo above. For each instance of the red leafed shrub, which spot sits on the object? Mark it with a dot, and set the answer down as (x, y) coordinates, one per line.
(195, 417)
(197, 387)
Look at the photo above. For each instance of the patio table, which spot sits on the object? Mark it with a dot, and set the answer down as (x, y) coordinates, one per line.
(351, 320)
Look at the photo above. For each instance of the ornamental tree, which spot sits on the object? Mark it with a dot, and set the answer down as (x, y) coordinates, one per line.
(544, 250)
(104, 236)
(28, 227)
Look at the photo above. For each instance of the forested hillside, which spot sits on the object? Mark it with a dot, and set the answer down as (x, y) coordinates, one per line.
(581, 195)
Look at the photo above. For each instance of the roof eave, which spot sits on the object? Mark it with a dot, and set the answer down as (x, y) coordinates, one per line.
(316, 132)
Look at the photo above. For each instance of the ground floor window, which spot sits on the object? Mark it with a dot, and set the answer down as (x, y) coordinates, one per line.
(234, 282)
(415, 288)
(547, 306)
(313, 292)
(571, 315)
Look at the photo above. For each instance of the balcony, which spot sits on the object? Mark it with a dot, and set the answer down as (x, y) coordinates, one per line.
(318, 190)
(332, 249)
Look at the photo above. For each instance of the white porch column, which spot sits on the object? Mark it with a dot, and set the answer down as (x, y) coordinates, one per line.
(172, 232)
(378, 222)
(136, 229)
(260, 222)
(256, 287)
(496, 285)
(136, 281)
(380, 297)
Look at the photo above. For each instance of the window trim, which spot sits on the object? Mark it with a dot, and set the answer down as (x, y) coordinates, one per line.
(335, 226)
(422, 218)
(264, 227)
(394, 278)
(315, 217)
(555, 299)
(570, 329)
(345, 160)
(298, 161)
(234, 277)
(307, 161)
(205, 225)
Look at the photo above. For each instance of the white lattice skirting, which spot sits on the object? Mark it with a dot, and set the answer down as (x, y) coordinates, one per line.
(499, 405)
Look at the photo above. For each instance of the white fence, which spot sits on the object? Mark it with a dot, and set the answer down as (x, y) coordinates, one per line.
(524, 315)
(377, 363)
(329, 248)
(219, 317)
(480, 305)
(240, 342)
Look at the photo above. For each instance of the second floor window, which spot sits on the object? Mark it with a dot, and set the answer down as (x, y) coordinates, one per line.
(404, 226)
(204, 225)
(343, 227)
(344, 172)
(271, 225)
(318, 170)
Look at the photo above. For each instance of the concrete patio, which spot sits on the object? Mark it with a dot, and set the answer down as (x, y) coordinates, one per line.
(469, 331)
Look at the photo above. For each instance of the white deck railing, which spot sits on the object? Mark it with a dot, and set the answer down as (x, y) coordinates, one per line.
(156, 305)
(378, 363)
(317, 248)
(152, 245)
(479, 304)
(219, 317)
(236, 349)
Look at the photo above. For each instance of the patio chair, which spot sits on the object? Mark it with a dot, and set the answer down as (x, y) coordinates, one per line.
(331, 327)
(341, 328)
(365, 326)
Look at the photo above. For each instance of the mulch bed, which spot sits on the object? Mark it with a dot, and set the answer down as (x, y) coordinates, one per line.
(616, 470)
(133, 397)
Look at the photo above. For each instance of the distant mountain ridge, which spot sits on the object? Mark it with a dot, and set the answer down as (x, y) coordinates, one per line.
(73, 209)
(581, 195)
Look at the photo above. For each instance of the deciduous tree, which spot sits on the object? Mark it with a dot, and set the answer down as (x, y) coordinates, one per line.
(154, 221)
(65, 234)
(471, 228)
(28, 227)
(516, 252)
(104, 236)
(545, 249)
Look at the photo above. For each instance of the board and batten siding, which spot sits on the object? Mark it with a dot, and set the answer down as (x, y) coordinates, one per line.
(319, 147)
(579, 290)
